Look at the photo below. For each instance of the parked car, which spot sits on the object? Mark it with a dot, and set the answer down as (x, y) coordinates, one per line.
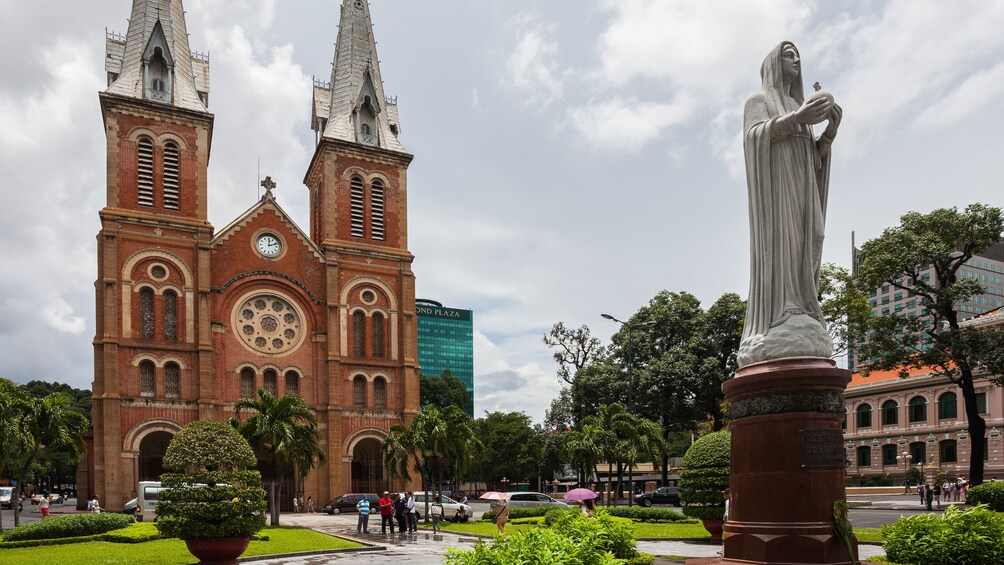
(532, 500)
(452, 510)
(130, 507)
(347, 503)
(56, 498)
(661, 495)
(7, 498)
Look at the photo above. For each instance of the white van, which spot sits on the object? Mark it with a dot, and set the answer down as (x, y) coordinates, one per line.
(7, 498)
(146, 497)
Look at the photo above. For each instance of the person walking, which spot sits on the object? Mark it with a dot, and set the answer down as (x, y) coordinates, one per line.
(296, 504)
(43, 506)
(920, 492)
(303, 505)
(386, 512)
(94, 506)
(310, 504)
(412, 514)
(937, 493)
(436, 512)
(501, 510)
(363, 525)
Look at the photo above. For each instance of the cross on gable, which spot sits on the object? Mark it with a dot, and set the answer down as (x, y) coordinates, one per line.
(268, 184)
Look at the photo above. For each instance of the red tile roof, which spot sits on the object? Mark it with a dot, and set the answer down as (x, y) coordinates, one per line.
(857, 379)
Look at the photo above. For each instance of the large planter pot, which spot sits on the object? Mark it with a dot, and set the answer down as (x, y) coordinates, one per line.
(217, 551)
(714, 528)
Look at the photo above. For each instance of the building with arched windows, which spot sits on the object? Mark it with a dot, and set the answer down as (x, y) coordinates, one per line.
(191, 318)
(923, 417)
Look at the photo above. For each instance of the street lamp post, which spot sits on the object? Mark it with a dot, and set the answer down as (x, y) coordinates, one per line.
(631, 326)
(905, 457)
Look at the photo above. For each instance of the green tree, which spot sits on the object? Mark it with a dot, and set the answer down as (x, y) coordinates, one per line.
(574, 349)
(584, 447)
(51, 426)
(60, 466)
(442, 391)
(282, 431)
(945, 239)
(615, 431)
(14, 439)
(512, 448)
(845, 305)
(560, 415)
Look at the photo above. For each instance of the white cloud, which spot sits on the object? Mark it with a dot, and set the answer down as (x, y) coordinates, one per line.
(974, 95)
(60, 316)
(625, 124)
(530, 68)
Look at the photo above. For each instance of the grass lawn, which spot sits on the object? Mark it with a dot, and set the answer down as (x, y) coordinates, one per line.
(642, 530)
(281, 540)
(869, 534)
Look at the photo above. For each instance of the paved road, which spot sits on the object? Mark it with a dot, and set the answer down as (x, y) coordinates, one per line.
(30, 514)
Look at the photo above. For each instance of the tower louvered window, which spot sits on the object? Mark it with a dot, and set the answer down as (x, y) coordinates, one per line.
(359, 392)
(376, 210)
(146, 387)
(358, 334)
(378, 333)
(379, 393)
(170, 315)
(172, 380)
(271, 382)
(144, 172)
(356, 207)
(247, 382)
(171, 176)
(146, 319)
(292, 382)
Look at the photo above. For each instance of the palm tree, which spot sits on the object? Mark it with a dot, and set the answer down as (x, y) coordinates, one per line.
(645, 445)
(617, 425)
(282, 431)
(584, 448)
(47, 425)
(14, 439)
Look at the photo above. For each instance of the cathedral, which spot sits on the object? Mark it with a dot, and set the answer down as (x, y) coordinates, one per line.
(190, 319)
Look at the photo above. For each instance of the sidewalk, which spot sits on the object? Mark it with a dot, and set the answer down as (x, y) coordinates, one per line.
(907, 502)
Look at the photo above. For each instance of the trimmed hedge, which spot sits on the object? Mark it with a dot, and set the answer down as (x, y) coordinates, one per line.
(74, 525)
(136, 533)
(634, 513)
(516, 513)
(974, 536)
(705, 475)
(991, 494)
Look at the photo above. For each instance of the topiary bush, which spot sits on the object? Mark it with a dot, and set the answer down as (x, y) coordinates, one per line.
(209, 493)
(974, 536)
(642, 514)
(73, 525)
(517, 513)
(705, 475)
(991, 494)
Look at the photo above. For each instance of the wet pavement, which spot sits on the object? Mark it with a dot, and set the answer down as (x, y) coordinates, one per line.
(426, 548)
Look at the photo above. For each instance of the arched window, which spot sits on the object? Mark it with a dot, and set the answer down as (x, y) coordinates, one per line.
(292, 382)
(890, 413)
(271, 382)
(146, 386)
(948, 406)
(171, 175)
(948, 452)
(172, 380)
(170, 315)
(359, 334)
(864, 456)
(147, 323)
(918, 409)
(144, 172)
(356, 208)
(864, 415)
(247, 382)
(365, 129)
(918, 453)
(359, 391)
(378, 333)
(379, 392)
(376, 210)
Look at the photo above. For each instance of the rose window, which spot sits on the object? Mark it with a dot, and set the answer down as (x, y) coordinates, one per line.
(268, 324)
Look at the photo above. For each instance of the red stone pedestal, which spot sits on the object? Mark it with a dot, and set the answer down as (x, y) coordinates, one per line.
(787, 462)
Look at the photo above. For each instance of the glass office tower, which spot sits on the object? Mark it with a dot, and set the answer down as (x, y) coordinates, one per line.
(446, 341)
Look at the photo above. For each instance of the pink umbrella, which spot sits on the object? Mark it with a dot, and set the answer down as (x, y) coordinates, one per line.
(494, 495)
(580, 494)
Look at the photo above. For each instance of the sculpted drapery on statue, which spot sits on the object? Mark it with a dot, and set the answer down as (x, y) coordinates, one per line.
(787, 174)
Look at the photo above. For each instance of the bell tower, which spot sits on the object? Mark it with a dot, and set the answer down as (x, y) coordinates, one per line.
(152, 348)
(358, 187)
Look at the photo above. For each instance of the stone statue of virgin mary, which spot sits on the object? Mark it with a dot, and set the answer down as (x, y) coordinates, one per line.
(787, 174)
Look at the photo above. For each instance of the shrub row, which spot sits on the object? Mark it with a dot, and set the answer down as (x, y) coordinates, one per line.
(516, 513)
(635, 513)
(991, 494)
(573, 538)
(74, 525)
(974, 536)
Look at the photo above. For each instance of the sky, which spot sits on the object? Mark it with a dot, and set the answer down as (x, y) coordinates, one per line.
(572, 157)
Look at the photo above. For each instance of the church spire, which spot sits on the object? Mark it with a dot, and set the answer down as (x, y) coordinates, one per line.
(153, 60)
(352, 107)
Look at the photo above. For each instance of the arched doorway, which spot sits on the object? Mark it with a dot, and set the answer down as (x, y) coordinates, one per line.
(151, 455)
(367, 467)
